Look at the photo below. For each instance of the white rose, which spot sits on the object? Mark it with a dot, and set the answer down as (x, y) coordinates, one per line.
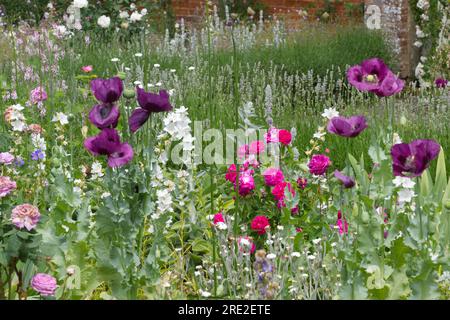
(135, 16)
(104, 21)
(80, 3)
(123, 15)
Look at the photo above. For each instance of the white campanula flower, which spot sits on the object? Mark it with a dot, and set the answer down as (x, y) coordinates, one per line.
(61, 118)
(104, 21)
(295, 254)
(405, 196)
(271, 256)
(404, 182)
(330, 113)
(96, 170)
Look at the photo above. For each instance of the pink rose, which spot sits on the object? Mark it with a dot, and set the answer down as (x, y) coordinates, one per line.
(273, 176)
(6, 186)
(25, 215)
(259, 224)
(87, 69)
(246, 183)
(256, 147)
(284, 136)
(319, 164)
(44, 284)
(218, 217)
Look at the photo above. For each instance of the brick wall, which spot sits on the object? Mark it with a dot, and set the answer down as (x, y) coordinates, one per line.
(287, 9)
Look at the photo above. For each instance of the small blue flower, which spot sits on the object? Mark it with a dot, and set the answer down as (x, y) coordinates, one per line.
(18, 162)
(37, 155)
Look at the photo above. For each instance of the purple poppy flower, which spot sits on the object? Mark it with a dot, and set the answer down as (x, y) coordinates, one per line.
(107, 90)
(104, 115)
(389, 86)
(149, 103)
(348, 182)
(347, 127)
(411, 160)
(374, 76)
(108, 143)
(441, 83)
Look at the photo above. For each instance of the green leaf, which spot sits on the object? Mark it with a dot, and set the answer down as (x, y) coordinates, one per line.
(426, 183)
(377, 154)
(441, 176)
(201, 245)
(355, 290)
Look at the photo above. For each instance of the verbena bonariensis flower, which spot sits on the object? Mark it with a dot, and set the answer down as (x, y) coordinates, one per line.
(148, 103)
(44, 284)
(411, 160)
(273, 176)
(104, 116)
(38, 95)
(25, 216)
(319, 164)
(342, 224)
(6, 186)
(441, 83)
(6, 158)
(348, 182)
(107, 90)
(347, 127)
(259, 224)
(246, 245)
(108, 143)
(374, 76)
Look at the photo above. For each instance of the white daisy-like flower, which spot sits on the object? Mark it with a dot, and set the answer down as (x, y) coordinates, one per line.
(61, 118)
(330, 113)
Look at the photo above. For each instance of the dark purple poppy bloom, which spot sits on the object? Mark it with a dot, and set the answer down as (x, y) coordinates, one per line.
(107, 90)
(348, 182)
(104, 116)
(149, 103)
(440, 83)
(347, 127)
(411, 160)
(108, 143)
(374, 76)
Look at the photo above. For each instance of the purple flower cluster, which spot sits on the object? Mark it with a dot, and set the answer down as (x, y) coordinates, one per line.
(105, 116)
(374, 76)
(148, 103)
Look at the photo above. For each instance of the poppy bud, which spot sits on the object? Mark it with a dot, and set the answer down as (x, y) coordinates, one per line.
(129, 93)
(122, 75)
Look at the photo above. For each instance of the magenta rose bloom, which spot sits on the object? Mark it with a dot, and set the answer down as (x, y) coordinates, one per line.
(6, 186)
(108, 143)
(347, 127)
(279, 193)
(44, 284)
(246, 183)
(347, 182)
(411, 160)
(374, 76)
(273, 176)
(104, 116)
(231, 174)
(285, 137)
(272, 135)
(218, 217)
(319, 164)
(148, 103)
(107, 91)
(25, 216)
(6, 158)
(441, 83)
(259, 224)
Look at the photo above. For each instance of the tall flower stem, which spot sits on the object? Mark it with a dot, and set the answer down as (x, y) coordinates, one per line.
(212, 122)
